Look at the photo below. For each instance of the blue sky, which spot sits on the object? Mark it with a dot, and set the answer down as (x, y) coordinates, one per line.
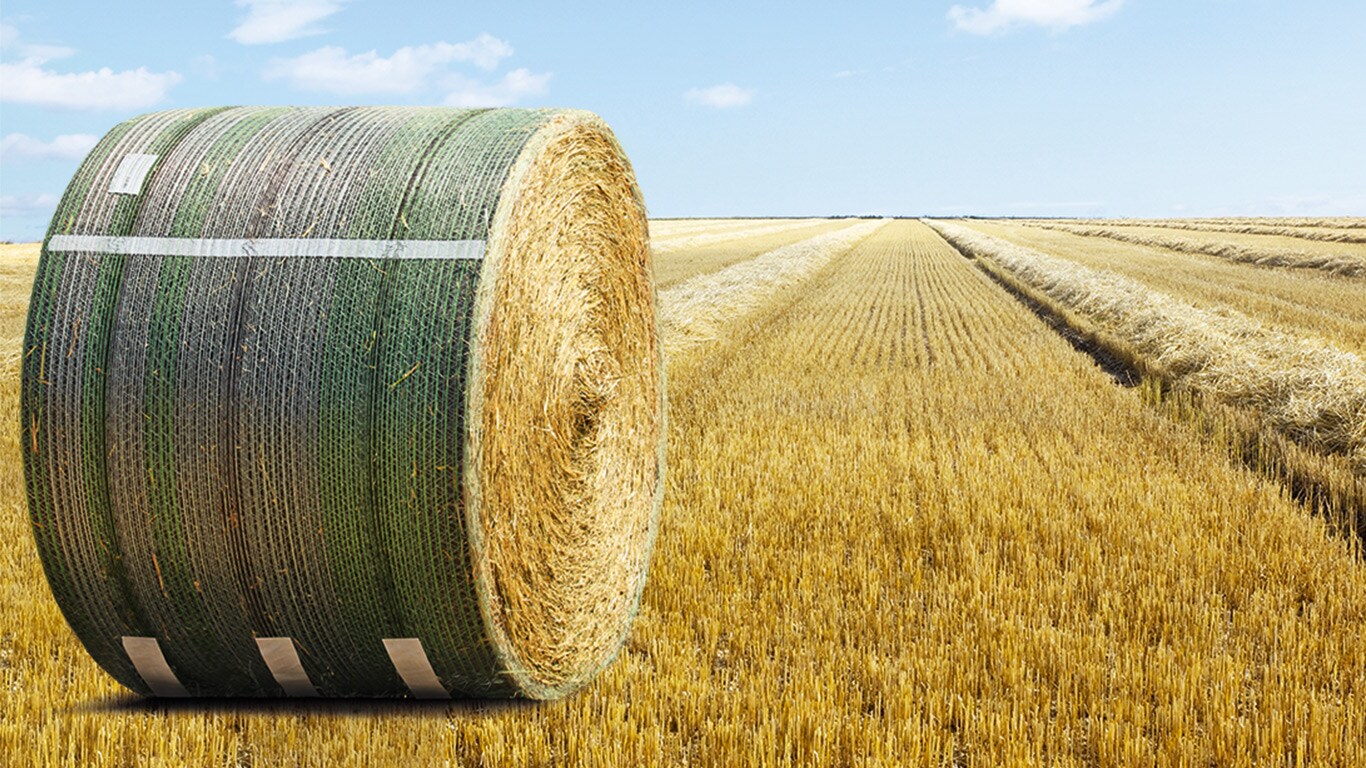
(987, 107)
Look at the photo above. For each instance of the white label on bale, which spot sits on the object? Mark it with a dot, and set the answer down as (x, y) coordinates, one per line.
(283, 660)
(150, 662)
(130, 174)
(289, 247)
(415, 668)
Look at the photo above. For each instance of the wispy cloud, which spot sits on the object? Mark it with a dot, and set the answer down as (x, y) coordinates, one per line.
(1053, 206)
(1056, 14)
(333, 70)
(27, 205)
(71, 146)
(513, 87)
(275, 21)
(722, 96)
(28, 81)
(12, 47)
(205, 65)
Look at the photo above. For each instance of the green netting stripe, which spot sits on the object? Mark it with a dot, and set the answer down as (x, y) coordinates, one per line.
(243, 398)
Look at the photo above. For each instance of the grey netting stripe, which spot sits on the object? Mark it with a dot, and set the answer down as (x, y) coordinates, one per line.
(64, 402)
(278, 247)
(184, 558)
(419, 440)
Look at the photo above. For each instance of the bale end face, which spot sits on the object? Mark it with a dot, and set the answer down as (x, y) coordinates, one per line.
(566, 411)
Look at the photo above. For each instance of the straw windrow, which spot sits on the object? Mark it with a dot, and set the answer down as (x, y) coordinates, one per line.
(1307, 389)
(1344, 256)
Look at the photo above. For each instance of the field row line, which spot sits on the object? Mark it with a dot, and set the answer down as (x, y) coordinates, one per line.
(1335, 263)
(666, 229)
(1308, 389)
(672, 244)
(692, 312)
(1324, 234)
(1333, 222)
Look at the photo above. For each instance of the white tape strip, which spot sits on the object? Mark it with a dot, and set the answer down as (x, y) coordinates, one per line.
(289, 247)
(283, 660)
(130, 174)
(150, 662)
(415, 668)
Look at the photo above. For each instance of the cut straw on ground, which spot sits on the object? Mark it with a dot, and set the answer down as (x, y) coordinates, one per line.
(670, 245)
(694, 311)
(1308, 389)
(1336, 262)
(1319, 230)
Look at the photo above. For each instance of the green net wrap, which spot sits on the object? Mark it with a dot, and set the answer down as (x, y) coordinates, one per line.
(226, 438)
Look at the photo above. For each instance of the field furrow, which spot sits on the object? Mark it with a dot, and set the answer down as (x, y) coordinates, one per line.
(1302, 302)
(673, 267)
(924, 558)
(1305, 232)
(661, 231)
(1328, 222)
(1261, 250)
(1311, 391)
(697, 240)
(692, 313)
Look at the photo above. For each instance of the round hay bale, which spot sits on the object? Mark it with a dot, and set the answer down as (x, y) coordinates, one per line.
(347, 402)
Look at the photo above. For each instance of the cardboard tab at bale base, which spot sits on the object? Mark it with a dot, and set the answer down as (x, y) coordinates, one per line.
(386, 425)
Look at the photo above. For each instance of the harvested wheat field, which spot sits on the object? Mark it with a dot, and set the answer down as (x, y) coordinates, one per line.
(939, 493)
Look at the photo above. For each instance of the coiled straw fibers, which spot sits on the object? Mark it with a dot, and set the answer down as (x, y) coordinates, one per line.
(342, 402)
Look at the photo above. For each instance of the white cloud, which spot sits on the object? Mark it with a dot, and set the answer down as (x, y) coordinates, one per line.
(205, 65)
(12, 47)
(27, 205)
(720, 96)
(275, 21)
(1057, 14)
(45, 53)
(333, 70)
(27, 81)
(512, 88)
(71, 146)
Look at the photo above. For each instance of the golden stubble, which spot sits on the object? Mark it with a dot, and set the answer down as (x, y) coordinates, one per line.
(906, 524)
